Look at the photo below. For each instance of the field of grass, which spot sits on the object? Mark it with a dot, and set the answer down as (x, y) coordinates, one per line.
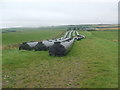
(32, 35)
(91, 63)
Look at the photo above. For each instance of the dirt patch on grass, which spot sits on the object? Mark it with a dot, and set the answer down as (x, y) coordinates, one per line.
(0, 47)
(115, 40)
(9, 46)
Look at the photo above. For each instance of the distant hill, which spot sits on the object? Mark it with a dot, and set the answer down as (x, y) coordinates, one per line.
(87, 27)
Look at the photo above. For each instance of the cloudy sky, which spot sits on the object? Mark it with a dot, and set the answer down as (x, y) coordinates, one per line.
(35, 13)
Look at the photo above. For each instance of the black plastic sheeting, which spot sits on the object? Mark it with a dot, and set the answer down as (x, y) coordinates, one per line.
(57, 50)
(40, 47)
(25, 46)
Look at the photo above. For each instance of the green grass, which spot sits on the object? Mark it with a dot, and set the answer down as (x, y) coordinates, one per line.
(31, 35)
(91, 63)
(108, 34)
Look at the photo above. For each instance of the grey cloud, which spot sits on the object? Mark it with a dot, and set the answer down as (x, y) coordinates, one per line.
(54, 13)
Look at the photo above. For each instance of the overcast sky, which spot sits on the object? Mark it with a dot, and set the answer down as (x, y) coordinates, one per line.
(35, 13)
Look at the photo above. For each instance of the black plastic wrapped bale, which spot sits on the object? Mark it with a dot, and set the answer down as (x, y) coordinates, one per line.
(82, 36)
(63, 38)
(66, 39)
(59, 39)
(57, 49)
(77, 33)
(79, 37)
(44, 45)
(66, 34)
(40, 47)
(61, 48)
(27, 45)
(73, 34)
(70, 34)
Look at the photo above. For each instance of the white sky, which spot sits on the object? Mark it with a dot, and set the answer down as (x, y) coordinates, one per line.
(35, 13)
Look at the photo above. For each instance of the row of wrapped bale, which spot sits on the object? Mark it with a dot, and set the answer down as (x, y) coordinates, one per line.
(40, 46)
(62, 48)
(57, 47)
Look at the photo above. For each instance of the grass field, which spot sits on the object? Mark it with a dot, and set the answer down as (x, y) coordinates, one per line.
(91, 63)
(32, 35)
